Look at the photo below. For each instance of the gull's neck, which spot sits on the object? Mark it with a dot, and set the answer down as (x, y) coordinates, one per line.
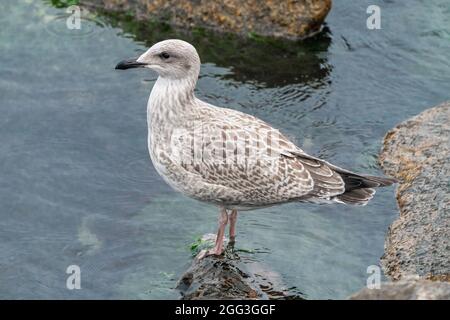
(171, 100)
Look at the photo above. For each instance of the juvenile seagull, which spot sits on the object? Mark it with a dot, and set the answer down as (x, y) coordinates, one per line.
(229, 158)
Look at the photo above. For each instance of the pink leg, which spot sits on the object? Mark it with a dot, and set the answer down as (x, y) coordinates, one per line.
(223, 220)
(233, 219)
(218, 248)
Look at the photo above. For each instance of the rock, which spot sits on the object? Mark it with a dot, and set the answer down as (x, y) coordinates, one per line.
(245, 58)
(292, 19)
(231, 277)
(408, 289)
(417, 152)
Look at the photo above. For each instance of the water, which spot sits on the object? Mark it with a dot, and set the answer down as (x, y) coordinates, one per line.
(77, 186)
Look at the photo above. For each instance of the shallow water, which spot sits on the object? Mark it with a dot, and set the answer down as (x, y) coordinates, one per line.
(77, 186)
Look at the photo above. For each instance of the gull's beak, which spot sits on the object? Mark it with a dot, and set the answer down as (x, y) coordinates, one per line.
(130, 63)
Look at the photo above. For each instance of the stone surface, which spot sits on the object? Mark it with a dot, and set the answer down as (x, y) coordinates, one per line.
(231, 277)
(288, 19)
(417, 152)
(408, 289)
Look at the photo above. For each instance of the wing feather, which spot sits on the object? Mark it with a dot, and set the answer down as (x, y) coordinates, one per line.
(242, 153)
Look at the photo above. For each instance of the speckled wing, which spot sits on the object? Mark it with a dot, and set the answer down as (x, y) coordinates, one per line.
(243, 153)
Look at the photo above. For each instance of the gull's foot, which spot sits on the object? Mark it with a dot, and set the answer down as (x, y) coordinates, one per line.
(211, 252)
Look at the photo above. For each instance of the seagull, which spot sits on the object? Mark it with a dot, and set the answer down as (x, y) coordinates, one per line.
(229, 158)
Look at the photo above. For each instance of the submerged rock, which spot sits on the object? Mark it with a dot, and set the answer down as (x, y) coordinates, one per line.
(417, 152)
(288, 19)
(231, 277)
(408, 289)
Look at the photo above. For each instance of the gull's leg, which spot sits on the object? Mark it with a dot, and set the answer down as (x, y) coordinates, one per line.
(223, 220)
(233, 219)
(218, 248)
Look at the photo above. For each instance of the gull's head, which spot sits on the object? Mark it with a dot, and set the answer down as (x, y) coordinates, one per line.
(173, 59)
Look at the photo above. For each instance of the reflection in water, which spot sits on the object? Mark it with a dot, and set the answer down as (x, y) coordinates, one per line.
(289, 62)
(78, 186)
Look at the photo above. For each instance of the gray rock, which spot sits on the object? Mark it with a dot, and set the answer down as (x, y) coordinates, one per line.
(417, 152)
(408, 289)
(287, 19)
(232, 277)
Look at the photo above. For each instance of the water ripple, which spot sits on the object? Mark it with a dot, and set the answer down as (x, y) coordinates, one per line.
(89, 25)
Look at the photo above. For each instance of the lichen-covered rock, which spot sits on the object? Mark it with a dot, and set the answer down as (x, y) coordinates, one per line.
(408, 289)
(417, 152)
(289, 19)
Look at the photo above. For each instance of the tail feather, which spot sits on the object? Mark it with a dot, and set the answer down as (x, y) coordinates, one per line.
(355, 181)
(356, 196)
(359, 188)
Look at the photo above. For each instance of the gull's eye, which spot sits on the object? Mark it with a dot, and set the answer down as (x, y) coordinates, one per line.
(164, 55)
